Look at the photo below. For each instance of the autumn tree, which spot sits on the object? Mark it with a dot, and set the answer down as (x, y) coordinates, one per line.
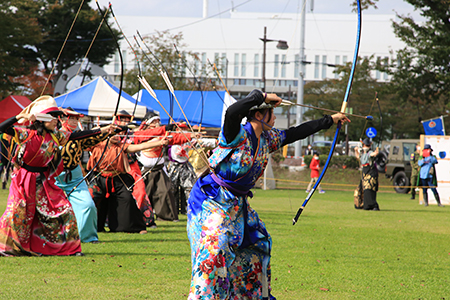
(55, 19)
(19, 32)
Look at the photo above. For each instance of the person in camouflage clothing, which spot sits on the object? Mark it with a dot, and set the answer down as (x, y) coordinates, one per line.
(414, 171)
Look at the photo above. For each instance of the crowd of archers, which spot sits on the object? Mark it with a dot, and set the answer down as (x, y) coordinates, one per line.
(137, 176)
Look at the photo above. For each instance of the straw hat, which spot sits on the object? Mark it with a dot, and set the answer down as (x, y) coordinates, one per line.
(42, 106)
(71, 112)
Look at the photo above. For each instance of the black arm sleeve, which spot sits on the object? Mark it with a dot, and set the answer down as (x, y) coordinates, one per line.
(306, 129)
(78, 135)
(237, 111)
(6, 126)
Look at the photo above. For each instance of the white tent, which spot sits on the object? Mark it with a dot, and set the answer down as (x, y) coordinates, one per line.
(99, 98)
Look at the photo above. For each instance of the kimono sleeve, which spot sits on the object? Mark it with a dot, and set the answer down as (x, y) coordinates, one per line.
(275, 139)
(62, 136)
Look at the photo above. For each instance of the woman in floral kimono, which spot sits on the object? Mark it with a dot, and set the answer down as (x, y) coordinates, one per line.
(230, 246)
(39, 219)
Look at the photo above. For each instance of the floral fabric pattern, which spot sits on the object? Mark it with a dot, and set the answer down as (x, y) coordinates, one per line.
(230, 246)
(38, 218)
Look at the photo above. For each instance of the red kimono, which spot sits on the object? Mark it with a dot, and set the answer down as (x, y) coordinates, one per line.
(39, 219)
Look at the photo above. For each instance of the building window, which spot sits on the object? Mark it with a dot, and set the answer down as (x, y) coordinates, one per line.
(283, 66)
(386, 62)
(124, 54)
(344, 62)
(256, 66)
(337, 62)
(116, 62)
(204, 59)
(224, 65)
(196, 64)
(276, 66)
(377, 72)
(316, 66)
(324, 66)
(297, 66)
(243, 63)
(236, 64)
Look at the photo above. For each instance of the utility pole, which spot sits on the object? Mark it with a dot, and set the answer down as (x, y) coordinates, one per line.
(299, 117)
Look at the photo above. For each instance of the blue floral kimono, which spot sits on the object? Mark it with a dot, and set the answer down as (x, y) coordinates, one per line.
(230, 246)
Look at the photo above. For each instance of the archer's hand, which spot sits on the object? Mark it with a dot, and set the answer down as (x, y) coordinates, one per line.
(274, 99)
(164, 141)
(196, 135)
(27, 117)
(340, 117)
(109, 129)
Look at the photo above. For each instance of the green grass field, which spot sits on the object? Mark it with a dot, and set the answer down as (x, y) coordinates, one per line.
(334, 252)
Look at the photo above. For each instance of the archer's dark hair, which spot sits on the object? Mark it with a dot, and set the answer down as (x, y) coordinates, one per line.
(251, 113)
(39, 127)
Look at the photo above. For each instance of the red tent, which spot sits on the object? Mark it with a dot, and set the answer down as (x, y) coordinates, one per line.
(12, 105)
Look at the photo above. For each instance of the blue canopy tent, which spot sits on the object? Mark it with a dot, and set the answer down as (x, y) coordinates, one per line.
(99, 98)
(214, 106)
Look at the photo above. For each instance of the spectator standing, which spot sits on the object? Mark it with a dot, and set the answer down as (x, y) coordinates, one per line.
(315, 167)
(427, 174)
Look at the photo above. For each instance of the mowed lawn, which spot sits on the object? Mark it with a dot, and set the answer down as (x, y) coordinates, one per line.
(333, 252)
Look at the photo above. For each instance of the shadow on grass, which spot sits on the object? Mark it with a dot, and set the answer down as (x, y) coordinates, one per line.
(149, 253)
(164, 224)
(143, 241)
(413, 211)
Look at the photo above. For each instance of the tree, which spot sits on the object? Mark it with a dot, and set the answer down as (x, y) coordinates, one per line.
(34, 40)
(19, 32)
(179, 69)
(55, 19)
(421, 74)
(329, 94)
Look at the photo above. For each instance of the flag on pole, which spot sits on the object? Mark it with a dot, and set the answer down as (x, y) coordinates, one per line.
(434, 126)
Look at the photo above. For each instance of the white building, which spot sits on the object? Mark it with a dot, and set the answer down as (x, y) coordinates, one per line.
(329, 40)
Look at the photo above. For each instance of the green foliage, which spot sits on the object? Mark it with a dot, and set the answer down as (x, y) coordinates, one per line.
(329, 94)
(420, 74)
(338, 161)
(34, 32)
(181, 67)
(55, 19)
(18, 31)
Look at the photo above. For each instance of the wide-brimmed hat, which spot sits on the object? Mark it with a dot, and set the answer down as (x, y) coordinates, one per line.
(182, 125)
(42, 106)
(123, 113)
(151, 116)
(427, 146)
(367, 142)
(71, 112)
(197, 127)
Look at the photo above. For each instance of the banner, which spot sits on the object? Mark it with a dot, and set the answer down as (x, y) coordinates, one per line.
(434, 126)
